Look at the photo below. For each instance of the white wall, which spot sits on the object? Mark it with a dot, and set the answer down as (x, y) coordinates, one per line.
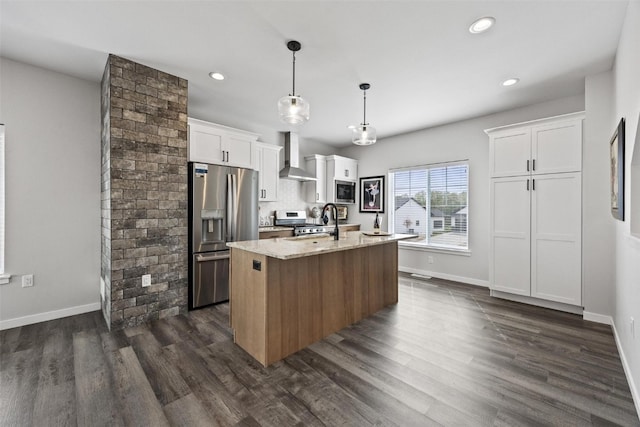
(598, 225)
(627, 269)
(457, 141)
(52, 193)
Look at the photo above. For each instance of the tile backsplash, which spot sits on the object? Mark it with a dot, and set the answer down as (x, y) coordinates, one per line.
(291, 195)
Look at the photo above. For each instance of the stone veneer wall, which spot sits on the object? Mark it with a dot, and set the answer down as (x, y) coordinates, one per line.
(105, 195)
(144, 193)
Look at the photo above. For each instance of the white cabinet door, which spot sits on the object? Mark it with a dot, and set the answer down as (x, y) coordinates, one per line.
(346, 169)
(510, 153)
(239, 151)
(268, 165)
(316, 191)
(341, 168)
(510, 235)
(556, 147)
(556, 238)
(206, 144)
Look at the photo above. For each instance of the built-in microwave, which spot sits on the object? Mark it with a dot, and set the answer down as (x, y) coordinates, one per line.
(345, 192)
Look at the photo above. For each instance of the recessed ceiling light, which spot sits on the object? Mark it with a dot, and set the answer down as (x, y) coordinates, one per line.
(510, 82)
(216, 76)
(482, 24)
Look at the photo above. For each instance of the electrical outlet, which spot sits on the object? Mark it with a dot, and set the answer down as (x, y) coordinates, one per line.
(633, 328)
(27, 280)
(146, 280)
(430, 260)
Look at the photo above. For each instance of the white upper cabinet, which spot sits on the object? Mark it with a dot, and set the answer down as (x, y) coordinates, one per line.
(557, 147)
(534, 148)
(267, 158)
(510, 153)
(341, 168)
(316, 191)
(221, 145)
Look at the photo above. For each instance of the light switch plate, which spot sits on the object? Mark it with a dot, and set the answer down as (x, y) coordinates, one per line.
(27, 280)
(146, 280)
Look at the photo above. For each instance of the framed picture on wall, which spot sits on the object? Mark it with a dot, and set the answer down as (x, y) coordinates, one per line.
(372, 194)
(616, 150)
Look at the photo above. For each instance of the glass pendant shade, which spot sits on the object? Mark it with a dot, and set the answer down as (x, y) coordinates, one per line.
(293, 110)
(364, 135)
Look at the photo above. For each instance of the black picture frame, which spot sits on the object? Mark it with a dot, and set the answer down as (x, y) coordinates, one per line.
(372, 194)
(616, 151)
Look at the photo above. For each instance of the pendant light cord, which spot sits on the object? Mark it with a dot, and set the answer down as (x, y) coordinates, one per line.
(364, 122)
(294, 75)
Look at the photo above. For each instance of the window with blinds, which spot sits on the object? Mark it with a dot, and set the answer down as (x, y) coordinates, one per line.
(1, 199)
(432, 202)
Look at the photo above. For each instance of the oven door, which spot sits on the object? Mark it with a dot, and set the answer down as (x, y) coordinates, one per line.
(210, 278)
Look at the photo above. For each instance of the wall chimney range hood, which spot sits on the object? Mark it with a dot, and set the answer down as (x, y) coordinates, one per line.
(291, 168)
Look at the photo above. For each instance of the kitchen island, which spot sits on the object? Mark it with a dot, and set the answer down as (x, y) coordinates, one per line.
(287, 293)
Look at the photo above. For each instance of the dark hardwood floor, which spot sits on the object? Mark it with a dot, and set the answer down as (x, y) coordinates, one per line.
(447, 354)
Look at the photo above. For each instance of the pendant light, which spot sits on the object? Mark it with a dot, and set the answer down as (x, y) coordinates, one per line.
(364, 134)
(292, 109)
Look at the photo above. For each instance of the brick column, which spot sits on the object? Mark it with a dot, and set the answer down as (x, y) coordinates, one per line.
(144, 193)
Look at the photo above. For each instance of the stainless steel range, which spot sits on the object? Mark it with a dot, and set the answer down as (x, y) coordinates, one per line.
(298, 220)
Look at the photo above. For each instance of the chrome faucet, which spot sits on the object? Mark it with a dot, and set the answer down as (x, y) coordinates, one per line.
(335, 211)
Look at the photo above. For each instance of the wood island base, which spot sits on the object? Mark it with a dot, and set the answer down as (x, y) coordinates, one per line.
(280, 306)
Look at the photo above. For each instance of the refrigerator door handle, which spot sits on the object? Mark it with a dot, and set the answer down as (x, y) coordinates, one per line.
(229, 209)
(232, 207)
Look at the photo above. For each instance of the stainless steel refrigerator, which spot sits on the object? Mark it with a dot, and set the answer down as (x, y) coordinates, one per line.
(223, 207)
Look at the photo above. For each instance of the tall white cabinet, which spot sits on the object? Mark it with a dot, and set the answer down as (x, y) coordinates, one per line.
(536, 209)
(267, 157)
(316, 191)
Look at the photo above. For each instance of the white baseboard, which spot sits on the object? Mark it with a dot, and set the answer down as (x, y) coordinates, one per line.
(567, 308)
(445, 276)
(48, 315)
(627, 369)
(598, 318)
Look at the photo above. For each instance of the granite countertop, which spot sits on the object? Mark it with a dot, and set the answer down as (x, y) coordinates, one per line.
(308, 245)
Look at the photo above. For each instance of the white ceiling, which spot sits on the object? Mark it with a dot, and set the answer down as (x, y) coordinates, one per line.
(423, 65)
